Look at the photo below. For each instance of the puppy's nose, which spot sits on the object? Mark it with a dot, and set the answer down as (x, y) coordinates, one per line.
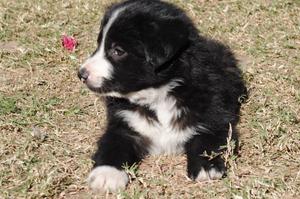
(83, 74)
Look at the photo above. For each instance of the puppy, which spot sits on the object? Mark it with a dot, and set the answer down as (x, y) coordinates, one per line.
(168, 90)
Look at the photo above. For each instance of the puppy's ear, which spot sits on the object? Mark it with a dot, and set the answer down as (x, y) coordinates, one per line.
(163, 40)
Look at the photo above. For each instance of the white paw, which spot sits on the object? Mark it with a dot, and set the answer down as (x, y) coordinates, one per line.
(212, 174)
(107, 178)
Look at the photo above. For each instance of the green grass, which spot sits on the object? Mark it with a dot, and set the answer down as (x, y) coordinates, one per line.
(8, 105)
(49, 122)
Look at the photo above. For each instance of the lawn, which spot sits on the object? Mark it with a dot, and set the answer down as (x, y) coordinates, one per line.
(49, 121)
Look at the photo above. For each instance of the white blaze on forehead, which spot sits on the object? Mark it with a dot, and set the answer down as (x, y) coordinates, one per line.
(107, 27)
(98, 66)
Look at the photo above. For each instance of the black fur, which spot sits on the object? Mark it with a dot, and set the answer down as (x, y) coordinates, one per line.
(161, 44)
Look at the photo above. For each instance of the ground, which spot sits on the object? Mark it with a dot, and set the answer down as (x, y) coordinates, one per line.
(49, 121)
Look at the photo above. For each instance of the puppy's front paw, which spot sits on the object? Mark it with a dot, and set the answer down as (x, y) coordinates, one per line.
(107, 178)
(202, 169)
(210, 174)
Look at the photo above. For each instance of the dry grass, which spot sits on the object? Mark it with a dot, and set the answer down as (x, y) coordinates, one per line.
(49, 122)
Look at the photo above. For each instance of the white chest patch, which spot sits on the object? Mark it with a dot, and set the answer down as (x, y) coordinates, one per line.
(164, 136)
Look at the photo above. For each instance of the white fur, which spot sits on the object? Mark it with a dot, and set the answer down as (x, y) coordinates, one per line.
(107, 178)
(98, 66)
(111, 94)
(164, 137)
(212, 174)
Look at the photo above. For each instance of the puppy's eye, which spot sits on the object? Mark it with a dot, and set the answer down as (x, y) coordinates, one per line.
(118, 51)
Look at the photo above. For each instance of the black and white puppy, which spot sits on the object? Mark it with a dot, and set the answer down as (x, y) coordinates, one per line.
(167, 89)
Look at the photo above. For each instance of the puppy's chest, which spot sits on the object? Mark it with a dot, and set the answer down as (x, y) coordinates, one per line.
(160, 126)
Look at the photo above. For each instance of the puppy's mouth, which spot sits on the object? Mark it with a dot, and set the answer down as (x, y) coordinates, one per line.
(83, 80)
(92, 85)
(104, 90)
(100, 90)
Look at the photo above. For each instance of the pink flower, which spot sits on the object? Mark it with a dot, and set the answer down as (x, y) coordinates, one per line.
(69, 42)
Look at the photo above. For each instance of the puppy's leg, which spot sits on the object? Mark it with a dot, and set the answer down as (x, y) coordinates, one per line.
(119, 146)
(199, 166)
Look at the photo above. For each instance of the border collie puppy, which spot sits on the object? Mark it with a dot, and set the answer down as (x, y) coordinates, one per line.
(167, 89)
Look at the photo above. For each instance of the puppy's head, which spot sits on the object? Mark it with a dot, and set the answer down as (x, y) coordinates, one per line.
(137, 46)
